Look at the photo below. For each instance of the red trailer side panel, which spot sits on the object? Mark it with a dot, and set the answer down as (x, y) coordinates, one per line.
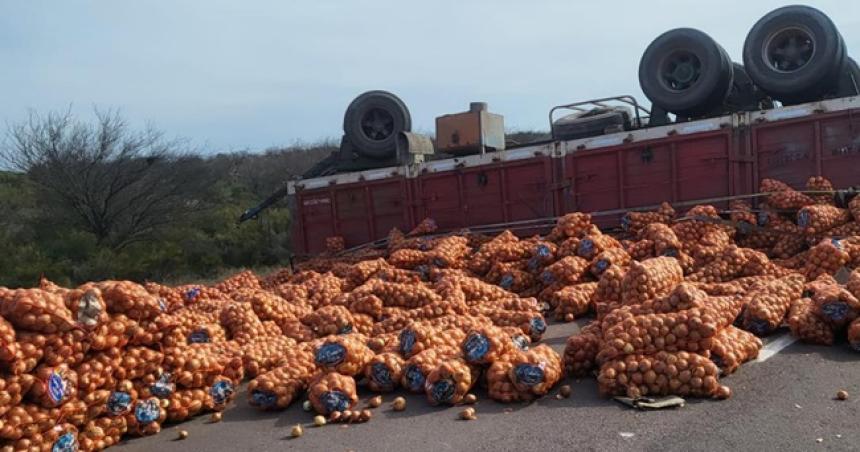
(822, 144)
(486, 194)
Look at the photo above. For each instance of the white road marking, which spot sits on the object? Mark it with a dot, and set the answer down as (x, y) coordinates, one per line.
(775, 346)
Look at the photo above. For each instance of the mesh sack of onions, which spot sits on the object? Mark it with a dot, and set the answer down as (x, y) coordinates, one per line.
(408, 258)
(335, 244)
(853, 284)
(269, 306)
(322, 289)
(129, 298)
(595, 243)
(449, 381)
(418, 367)
(741, 212)
(146, 416)
(9, 348)
(240, 321)
(565, 271)
(276, 278)
(690, 330)
(536, 370)
(732, 347)
(806, 325)
(477, 291)
(277, 388)
(137, 361)
(328, 320)
(666, 242)
(486, 344)
(330, 392)
(403, 295)
(88, 308)
(13, 389)
(531, 323)
(27, 419)
(827, 257)
(580, 352)
(101, 433)
(854, 208)
(197, 365)
(96, 371)
(242, 280)
(835, 305)
(417, 338)
(651, 278)
(639, 250)
(53, 386)
(151, 332)
(634, 222)
(782, 196)
(368, 304)
(222, 391)
(613, 256)
(384, 371)
(768, 303)
(574, 301)
(296, 330)
(35, 310)
(573, 224)
(64, 348)
(820, 184)
(499, 384)
(185, 403)
(115, 332)
(449, 252)
(60, 437)
(821, 218)
(346, 354)
(265, 354)
(663, 373)
(511, 276)
(725, 266)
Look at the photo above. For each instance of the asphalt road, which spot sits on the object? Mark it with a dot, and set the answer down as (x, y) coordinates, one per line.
(784, 403)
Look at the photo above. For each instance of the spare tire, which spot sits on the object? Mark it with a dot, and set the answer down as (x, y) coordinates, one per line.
(373, 121)
(684, 71)
(590, 123)
(795, 54)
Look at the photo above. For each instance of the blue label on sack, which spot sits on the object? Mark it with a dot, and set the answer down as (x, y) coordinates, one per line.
(407, 342)
(56, 387)
(534, 263)
(803, 219)
(381, 375)
(330, 354)
(423, 271)
(836, 312)
(67, 442)
(521, 342)
(335, 401)
(346, 329)
(222, 391)
(585, 248)
(192, 294)
(118, 403)
(626, 221)
(264, 399)
(442, 391)
(476, 347)
(762, 218)
(538, 325)
(423, 245)
(601, 265)
(414, 378)
(147, 411)
(543, 251)
(670, 252)
(162, 305)
(162, 388)
(547, 277)
(439, 262)
(529, 374)
(199, 337)
(837, 243)
(506, 282)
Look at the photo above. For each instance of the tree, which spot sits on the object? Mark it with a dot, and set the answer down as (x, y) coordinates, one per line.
(118, 184)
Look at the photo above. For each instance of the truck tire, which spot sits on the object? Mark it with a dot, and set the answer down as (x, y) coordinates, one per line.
(795, 54)
(372, 122)
(744, 94)
(684, 71)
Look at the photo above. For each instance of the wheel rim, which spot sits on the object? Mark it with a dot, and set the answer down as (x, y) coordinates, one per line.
(680, 71)
(789, 49)
(377, 124)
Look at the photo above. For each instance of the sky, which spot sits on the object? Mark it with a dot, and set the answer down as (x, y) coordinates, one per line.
(248, 75)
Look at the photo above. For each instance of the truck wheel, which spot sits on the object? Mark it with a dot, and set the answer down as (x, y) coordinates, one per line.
(591, 123)
(373, 120)
(745, 95)
(794, 53)
(685, 72)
